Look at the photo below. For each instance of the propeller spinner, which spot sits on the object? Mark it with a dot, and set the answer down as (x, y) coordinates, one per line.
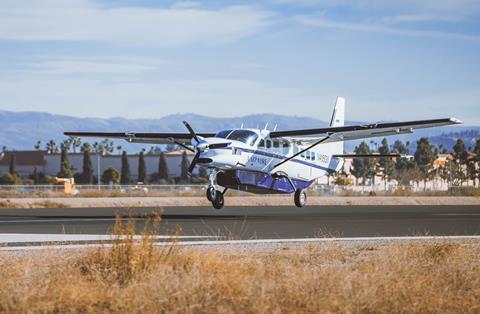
(199, 144)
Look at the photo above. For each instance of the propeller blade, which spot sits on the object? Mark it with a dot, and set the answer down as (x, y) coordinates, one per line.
(181, 144)
(194, 163)
(192, 132)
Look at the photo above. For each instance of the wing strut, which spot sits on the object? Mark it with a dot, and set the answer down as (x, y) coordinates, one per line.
(302, 151)
(367, 155)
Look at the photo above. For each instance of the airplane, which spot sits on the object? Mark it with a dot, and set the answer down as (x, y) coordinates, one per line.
(272, 162)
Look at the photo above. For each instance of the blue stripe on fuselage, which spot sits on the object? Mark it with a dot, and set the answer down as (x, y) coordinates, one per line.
(281, 157)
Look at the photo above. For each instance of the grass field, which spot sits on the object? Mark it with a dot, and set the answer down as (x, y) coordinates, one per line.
(425, 277)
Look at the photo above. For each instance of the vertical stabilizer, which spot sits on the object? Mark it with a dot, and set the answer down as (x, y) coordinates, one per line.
(338, 116)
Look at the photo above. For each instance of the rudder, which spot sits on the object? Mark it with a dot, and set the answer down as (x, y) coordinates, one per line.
(338, 116)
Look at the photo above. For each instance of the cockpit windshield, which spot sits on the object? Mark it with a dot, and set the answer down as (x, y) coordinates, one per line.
(223, 134)
(245, 136)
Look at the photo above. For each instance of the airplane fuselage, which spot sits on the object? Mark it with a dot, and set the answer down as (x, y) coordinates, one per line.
(259, 154)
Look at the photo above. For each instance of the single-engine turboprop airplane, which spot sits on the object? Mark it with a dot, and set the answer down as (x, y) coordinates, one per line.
(268, 162)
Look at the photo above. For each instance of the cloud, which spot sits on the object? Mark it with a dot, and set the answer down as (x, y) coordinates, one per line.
(438, 9)
(86, 20)
(321, 22)
(69, 65)
(420, 18)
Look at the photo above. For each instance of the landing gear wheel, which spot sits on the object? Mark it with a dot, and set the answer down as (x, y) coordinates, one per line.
(218, 201)
(300, 198)
(211, 194)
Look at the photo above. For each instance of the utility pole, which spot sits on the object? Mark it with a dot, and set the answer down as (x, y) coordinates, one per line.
(100, 150)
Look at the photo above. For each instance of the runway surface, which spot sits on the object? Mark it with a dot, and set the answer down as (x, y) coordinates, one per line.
(258, 222)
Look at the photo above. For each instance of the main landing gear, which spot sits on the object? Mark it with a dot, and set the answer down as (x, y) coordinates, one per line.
(300, 198)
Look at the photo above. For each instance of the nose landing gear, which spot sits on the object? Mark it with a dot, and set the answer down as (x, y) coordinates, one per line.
(213, 195)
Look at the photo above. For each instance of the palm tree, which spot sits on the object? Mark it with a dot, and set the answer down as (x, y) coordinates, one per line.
(51, 147)
(76, 142)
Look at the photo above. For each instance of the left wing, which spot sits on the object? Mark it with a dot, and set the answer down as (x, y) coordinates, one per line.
(151, 138)
(355, 132)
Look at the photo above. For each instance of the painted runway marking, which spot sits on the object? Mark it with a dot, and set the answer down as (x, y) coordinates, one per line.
(36, 238)
(253, 242)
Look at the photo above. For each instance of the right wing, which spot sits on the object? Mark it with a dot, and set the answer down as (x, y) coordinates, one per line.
(355, 132)
(151, 138)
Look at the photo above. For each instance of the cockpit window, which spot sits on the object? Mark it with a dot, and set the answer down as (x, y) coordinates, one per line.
(223, 134)
(244, 136)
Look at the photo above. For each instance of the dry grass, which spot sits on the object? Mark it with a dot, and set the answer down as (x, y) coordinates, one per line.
(8, 204)
(139, 277)
(48, 204)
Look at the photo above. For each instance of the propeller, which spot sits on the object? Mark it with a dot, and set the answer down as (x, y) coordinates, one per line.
(192, 132)
(180, 144)
(200, 145)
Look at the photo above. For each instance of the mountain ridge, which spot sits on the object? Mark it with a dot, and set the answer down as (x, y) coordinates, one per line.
(21, 130)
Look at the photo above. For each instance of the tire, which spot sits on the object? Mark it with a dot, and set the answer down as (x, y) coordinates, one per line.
(219, 201)
(300, 198)
(211, 194)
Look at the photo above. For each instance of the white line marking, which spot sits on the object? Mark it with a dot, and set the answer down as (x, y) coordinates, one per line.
(61, 220)
(35, 238)
(252, 242)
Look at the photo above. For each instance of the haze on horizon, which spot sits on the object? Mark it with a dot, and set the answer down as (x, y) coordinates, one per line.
(392, 60)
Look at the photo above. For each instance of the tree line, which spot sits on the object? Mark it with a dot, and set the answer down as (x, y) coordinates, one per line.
(461, 166)
(110, 175)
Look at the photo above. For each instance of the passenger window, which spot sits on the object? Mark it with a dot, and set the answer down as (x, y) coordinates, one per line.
(276, 145)
(261, 144)
(269, 144)
(286, 147)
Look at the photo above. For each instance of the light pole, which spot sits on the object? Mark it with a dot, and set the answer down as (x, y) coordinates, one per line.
(102, 152)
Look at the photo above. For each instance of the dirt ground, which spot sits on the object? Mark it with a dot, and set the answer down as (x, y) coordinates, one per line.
(231, 201)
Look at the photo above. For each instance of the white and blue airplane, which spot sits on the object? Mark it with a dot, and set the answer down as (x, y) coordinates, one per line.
(269, 162)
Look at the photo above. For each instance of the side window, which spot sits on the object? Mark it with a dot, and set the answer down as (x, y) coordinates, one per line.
(269, 144)
(261, 144)
(286, 147)
(276, 145)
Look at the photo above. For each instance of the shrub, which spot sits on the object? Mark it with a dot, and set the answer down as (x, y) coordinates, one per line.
(10, 179)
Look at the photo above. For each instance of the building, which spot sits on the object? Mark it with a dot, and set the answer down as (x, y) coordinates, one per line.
(49, 164)
(25, 162)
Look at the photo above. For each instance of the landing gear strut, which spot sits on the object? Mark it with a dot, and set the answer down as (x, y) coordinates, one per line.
(213, 195)
(300, 198)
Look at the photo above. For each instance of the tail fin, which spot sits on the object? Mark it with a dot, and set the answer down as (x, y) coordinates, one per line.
(338, 116)
(338, 119)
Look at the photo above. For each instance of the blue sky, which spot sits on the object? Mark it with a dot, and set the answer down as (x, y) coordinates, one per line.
(392, 60)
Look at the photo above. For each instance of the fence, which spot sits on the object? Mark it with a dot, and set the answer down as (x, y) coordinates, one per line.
(200, 189)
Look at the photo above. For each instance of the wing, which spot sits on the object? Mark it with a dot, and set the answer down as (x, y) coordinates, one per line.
(355, 132)
(151, 138)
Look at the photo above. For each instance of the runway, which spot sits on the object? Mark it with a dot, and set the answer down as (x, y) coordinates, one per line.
(282, 222)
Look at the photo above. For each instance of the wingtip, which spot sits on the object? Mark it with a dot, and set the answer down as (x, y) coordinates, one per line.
(456, 121)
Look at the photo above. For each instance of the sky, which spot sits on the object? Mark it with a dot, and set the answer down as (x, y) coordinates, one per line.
(392, 60)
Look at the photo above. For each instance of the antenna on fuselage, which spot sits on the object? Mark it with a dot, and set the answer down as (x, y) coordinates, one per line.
(275, 128)
(241, 127)
(266, 126)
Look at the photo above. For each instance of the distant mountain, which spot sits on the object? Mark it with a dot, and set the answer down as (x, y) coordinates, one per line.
(21, 130)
